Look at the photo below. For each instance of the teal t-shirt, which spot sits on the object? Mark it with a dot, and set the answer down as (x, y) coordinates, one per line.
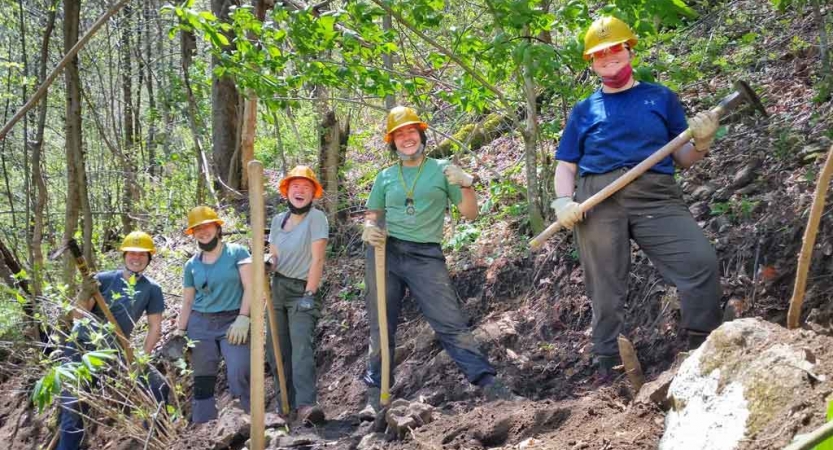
(218, 284)
(430, 198)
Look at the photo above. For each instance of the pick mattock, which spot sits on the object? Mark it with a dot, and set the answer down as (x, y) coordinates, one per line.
(258, 437)
(743, 94)
(382, 314)
(81, 264)
(276, 349)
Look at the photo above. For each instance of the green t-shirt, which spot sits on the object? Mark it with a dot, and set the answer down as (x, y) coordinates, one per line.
(430, 198)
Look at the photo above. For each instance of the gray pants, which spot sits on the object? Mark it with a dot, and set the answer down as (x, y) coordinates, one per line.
(209, 332)
(650, 211)
(420, 268)
(296, 331)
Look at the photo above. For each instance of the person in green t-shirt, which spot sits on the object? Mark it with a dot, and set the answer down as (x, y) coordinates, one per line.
(406, 211)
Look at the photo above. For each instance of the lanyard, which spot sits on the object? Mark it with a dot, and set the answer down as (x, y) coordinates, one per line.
(409, 194)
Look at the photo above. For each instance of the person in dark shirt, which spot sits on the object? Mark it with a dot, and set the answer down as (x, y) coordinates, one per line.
(129, 295)
(611, 131)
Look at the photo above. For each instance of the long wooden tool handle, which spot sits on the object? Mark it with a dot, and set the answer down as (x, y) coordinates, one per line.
(741, 95)
(81, 264)
(257, 217)
(276, 349)
(382, 313)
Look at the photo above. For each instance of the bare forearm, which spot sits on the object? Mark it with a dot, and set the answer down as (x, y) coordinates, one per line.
(468, 206)
(687, 155)
(316, 271)
(152, 338)
(185, 309)
(565, 179)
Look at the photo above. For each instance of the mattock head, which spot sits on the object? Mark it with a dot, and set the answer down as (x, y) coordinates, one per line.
(749, 96)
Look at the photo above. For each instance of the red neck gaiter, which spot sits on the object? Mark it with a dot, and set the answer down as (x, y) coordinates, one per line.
(620, 79)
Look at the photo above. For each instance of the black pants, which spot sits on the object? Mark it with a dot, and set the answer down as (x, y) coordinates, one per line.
(650, 211)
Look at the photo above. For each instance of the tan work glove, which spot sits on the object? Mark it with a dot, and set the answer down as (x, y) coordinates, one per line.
(567, 211)
(703, 128)
(238, 332)
(455, 175)
(89, 286)
(179, 332)
(374, 235)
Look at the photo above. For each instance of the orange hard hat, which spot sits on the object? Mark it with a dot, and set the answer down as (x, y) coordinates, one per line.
(300, 172)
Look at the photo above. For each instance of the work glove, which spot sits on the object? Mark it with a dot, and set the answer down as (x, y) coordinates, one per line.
(374, 235)
(238, 332)
(567, 211)
(89, 286)
(703, 128)
(270, 262)
(455, 175)
(307, 302)
(179, 332)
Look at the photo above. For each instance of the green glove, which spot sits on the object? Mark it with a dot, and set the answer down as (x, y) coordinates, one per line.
(238, 332)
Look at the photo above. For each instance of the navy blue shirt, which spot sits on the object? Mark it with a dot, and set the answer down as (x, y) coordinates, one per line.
(606, 132)
(128, 303)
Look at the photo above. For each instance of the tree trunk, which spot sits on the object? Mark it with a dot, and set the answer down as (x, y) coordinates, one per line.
(333, 139)
(148, 57)
(387, 61)
(27, 188)
(224, 112)
(189, 49)
(9, 193)
(530, 135)
(37, 263)
(72, 12)
(130, 193)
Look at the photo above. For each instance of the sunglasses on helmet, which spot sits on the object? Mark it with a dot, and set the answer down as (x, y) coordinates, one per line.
(616, 48)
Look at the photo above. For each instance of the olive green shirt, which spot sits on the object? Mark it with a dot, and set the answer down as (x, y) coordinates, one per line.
(430, 198)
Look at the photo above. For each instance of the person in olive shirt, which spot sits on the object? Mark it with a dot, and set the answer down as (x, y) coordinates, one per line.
(298, 246)
(413, 195)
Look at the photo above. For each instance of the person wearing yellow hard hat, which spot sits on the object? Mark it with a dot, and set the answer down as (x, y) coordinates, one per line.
(406, 213)
(129, 294)
(611, 131)
(298, 246)
(215, 312)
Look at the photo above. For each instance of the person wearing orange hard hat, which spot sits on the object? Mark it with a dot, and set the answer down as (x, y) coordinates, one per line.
(215, 312)
(405, 216)
(609, 132)
(297, 246)
(129, 294)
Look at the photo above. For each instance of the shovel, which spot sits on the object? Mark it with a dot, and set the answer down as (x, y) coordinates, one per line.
(742, 94)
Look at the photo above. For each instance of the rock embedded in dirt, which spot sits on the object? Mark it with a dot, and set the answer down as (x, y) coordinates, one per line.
(751, 379)
(372, 441)
(403, 416)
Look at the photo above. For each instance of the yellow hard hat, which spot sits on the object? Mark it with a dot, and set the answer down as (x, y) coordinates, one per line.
(300, 172)
(607, 32)
(400, 116)
(138, 241)
(201, 215)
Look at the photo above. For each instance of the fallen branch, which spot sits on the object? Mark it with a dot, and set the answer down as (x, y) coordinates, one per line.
(44, 87)
(809, 241)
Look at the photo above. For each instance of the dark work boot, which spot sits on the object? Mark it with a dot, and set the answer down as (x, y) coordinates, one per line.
(607, 368)
(373, 405)
(496, 389)
(696, 339)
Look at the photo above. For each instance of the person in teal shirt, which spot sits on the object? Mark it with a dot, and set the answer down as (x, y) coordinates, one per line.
(405, 215)
(215, 312)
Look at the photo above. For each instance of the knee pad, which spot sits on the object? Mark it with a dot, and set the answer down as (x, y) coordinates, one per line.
(204, 387)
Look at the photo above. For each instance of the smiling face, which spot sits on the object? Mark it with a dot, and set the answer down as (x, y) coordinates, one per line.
(205, 233)
(407, 139)
(610, 61)
(300, 192)
(136, 261)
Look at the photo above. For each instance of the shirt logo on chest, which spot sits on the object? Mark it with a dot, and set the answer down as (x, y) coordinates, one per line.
(650, 102)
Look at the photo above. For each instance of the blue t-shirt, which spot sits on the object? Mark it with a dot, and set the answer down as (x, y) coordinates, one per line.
(126, 302)
(606, 132)
(218, 284)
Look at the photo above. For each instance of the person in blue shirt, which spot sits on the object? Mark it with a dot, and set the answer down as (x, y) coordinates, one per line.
(129, 294)
(611, 131)
(215, 313)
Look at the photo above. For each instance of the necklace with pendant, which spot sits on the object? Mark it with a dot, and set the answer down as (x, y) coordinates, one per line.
(409, 193)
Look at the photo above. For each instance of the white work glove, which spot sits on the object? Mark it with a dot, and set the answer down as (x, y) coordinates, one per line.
(374, 235)
(703, 128)
(567, 211)
(455, 175)
(238, 332)
(179, 332)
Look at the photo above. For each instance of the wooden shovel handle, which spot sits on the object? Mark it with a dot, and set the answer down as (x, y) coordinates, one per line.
(382, 313)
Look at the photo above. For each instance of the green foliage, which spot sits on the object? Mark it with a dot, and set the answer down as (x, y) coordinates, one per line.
(77, 373)
(827, 444)
(464, 235)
